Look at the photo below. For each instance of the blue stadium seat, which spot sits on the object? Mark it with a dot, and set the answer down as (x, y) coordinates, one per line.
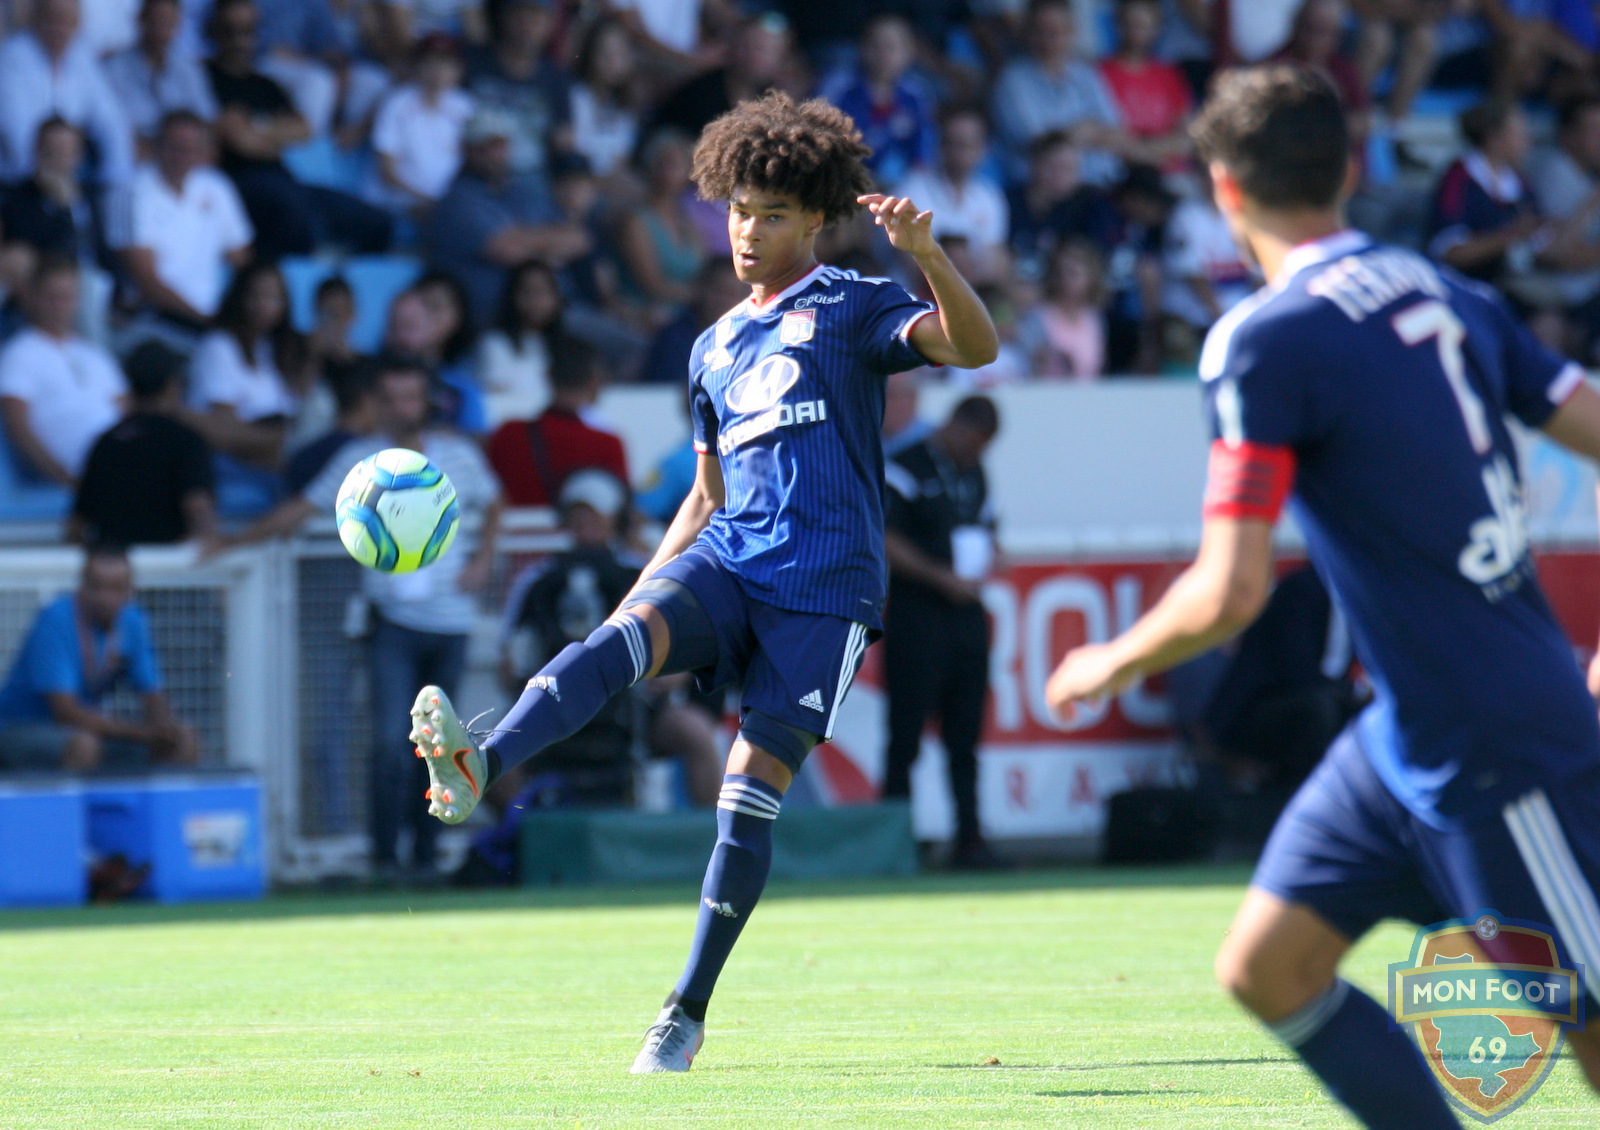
(27, 500)
(321, 161)
(375, 279)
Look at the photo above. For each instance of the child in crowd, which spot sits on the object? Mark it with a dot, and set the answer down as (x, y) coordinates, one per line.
(417, 132)
(1065, 335)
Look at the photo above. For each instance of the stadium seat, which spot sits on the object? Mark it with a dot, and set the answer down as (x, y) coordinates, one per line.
(375, 279)
(322, 162)
(23, 499)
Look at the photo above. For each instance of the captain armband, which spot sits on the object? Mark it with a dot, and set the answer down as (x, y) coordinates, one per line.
(1251, 480)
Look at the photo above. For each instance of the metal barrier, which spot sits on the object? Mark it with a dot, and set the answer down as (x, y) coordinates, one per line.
(254, 654)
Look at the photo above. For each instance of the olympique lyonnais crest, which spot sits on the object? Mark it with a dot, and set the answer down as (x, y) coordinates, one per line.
(797, 326)
(1487, 1002)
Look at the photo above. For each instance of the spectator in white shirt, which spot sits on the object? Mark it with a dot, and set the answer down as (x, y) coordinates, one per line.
(58, 392)
(50, 71)
(153, 77)
(186, 227)
(965, 203)
(417, 133)
(245, 375)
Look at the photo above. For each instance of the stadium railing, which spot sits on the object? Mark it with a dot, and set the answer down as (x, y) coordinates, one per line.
(255, 655)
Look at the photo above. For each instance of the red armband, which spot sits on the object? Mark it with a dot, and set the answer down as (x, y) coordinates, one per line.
(1251, 480)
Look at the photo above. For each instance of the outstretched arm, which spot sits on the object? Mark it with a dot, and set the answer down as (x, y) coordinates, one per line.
(962, 335)
(1214, 599)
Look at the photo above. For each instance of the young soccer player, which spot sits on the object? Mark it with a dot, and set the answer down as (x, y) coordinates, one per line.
(1374, 386)
(772, 574)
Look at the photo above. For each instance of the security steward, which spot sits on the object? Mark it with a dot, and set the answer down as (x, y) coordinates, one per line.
(940, 541)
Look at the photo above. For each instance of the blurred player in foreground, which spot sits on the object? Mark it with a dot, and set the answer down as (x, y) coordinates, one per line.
(772, 573)
(1374, 386)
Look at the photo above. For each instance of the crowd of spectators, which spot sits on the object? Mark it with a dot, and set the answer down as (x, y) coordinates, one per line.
(525, 163)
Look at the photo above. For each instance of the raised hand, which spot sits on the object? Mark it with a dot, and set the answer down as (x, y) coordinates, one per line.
(909, 230)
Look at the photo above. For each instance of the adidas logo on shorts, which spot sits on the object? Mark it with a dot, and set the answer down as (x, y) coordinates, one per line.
(813, 701)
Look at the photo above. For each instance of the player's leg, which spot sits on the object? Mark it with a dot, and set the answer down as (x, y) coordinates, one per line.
(1335, 864)
(671, 624)
(962, 696)
(1538, 860)
(786, 711)
(910, 670)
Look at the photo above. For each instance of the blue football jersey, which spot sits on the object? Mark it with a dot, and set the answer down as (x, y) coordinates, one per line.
(1390, 381)
(789, 396)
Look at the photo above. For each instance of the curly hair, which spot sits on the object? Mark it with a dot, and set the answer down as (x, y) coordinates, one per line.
(809, 150)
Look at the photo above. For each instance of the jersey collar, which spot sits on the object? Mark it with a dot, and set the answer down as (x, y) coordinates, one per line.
(1329, 247)
(749, 305)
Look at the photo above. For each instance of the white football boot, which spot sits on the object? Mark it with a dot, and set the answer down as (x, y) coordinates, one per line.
(671, 1043)
(457, 769)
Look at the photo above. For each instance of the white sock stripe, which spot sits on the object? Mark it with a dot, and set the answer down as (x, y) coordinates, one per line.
(749, 796)
(1296, 1029)
(1575, 898)
(855, 644)
(732, 806)
(1565, 892)
(632, 635)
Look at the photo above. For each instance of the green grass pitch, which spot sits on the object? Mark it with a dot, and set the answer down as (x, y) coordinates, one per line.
(865, 1004)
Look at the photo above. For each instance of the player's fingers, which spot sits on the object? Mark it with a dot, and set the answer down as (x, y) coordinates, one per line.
(925, 217)
(905, 207)
(870, 198)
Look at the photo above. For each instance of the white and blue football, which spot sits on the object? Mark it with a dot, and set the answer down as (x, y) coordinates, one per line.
(397, 512)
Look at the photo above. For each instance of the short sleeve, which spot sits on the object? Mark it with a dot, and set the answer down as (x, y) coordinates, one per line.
(18, 377)
(387, 128)
(702, 417)
(143, 671)
(1537, 380)
(888, 314)
(54, 663)
(237, 231)
(1251, 395)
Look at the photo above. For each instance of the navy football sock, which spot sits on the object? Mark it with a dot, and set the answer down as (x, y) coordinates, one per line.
(1374, 1070)
(570, 690)
(734, 879)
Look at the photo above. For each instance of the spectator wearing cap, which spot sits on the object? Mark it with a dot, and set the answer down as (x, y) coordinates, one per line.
(1049, 89)
(49, 71)
(58, 392)
(490, 220)
(533, 458)
(891, 105)
(417, 132)
(154, 77)
(184, 227)
(256, 123)
(964, 201)
(148, 480)
(511, 73)
(81, 647)
(604, 100)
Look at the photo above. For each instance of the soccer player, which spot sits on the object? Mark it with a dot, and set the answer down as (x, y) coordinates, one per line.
(1374, 386)
(772, 574)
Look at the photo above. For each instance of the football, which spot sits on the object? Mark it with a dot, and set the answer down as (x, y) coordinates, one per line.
(397, 512)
